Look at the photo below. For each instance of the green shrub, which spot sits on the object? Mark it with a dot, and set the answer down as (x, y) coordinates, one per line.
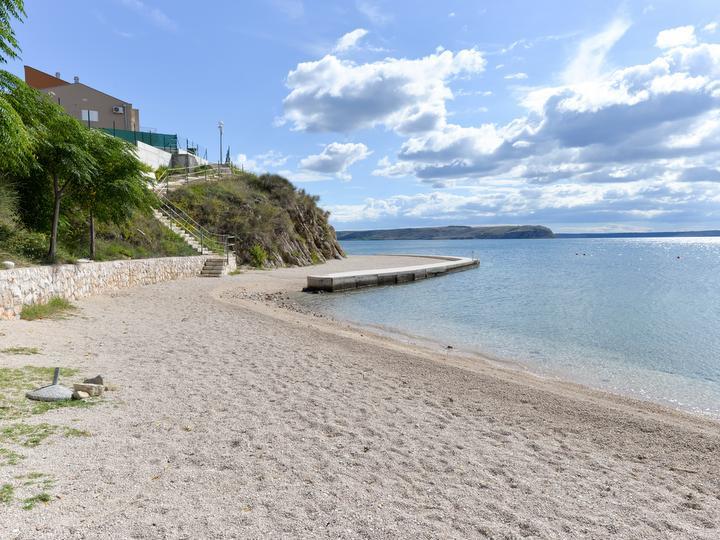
(258, 256)
(33, 245)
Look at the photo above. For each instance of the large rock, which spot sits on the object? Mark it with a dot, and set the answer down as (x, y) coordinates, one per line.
(53, 392)
(97, 379)
(91, 389)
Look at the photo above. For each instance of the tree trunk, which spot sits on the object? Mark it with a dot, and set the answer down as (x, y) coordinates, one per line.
(57, 192)
(92, 235)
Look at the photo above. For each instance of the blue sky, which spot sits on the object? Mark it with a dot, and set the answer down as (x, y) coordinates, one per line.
(576, 115)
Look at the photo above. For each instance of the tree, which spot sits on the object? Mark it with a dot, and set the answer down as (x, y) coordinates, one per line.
(117, 188)
(60, 145)
(14, 138)
(228, 161)
(15, 148)
(9, 10)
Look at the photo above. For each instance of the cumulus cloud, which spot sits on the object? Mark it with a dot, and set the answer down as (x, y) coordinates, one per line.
(335, 159)
(682, 36)
(639, 144)
(350, 40)
(710, 27)
(634, 144)
(333, 94)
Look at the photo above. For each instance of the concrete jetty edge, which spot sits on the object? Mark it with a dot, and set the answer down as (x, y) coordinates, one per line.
(342, 281)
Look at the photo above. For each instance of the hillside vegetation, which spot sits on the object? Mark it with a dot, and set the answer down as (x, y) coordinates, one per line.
(274, 223)
(451, 233)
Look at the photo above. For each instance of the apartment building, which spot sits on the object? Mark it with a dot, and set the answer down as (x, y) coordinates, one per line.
(95, 108)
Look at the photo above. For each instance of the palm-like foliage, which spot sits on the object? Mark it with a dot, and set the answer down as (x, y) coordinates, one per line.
(9, 10)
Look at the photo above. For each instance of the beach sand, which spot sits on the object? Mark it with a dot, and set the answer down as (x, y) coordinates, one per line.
(233, 418)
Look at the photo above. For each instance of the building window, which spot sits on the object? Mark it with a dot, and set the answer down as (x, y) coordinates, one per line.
(89, 116)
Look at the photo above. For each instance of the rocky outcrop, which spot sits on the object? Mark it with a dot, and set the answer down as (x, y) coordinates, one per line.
(274, 223)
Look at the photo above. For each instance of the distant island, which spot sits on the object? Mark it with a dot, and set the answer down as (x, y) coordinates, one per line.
(451, 233)
(501, 232)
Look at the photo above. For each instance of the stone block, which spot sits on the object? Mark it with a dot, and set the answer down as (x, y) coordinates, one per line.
(92, 389)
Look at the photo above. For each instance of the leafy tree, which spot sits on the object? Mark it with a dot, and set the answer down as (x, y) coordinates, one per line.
(118, 186)
(14, 138)
(228, 161)
(9, 10)
(60, 145)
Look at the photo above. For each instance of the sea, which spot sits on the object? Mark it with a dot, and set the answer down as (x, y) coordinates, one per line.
(638, 316)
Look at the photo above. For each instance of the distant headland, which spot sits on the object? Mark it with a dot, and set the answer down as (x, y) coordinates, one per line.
(503, 232)
(451, 233)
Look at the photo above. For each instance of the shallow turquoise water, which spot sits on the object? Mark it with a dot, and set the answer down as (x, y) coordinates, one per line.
(625, 315)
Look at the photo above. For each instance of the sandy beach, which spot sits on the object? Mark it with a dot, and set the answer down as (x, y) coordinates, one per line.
(235, 418)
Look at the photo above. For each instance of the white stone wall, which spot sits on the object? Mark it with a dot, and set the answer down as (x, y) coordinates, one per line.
(152, 156)
(37, 284)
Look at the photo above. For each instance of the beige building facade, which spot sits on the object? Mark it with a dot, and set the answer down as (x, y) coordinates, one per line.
(93, 107)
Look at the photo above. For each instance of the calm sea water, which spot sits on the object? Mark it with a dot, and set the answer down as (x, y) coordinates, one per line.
(635, 316)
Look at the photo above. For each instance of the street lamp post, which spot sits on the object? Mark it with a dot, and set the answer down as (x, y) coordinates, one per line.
(220, 127)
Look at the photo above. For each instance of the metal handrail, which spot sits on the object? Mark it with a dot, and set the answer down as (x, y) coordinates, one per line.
(210, 170)
(223, 243)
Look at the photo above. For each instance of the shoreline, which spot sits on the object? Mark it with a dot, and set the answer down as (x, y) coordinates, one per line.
(278, 302)
(284, 297)
(233, 417)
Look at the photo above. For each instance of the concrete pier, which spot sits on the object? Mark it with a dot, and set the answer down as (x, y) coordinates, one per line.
(342, 281)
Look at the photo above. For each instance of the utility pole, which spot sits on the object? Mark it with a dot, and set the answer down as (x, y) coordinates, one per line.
(220, 127)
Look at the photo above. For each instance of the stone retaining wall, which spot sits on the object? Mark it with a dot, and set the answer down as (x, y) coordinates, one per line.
(37, 284)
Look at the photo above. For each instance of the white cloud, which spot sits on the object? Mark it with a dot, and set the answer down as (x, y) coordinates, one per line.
(710, 27)
(335, 159)
(261, 163)
(516, 76)
(248, 164)
(350, 40)
(641, 142)
(451, 14)
(153, 14)
(373, 12)
(635, 144)
(682, 36)
(333, 94)
(589, 60)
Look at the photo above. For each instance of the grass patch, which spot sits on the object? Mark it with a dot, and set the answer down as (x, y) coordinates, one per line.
(26, 351)
(55, 308)
(235, 272)
(31, 502)
(9, 457)
(28, 435)
(72, 432)
(14, 382)
(6, 493)
(45, 481)
(40, 407)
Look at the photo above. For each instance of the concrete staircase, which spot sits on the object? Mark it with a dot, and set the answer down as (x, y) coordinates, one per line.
(189, 239)
(218, 247)
(214, 267)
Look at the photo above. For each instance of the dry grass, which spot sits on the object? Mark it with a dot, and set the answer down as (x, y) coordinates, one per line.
(55, 308)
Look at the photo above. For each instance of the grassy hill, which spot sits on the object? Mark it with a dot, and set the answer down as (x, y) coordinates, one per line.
(274, 223)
